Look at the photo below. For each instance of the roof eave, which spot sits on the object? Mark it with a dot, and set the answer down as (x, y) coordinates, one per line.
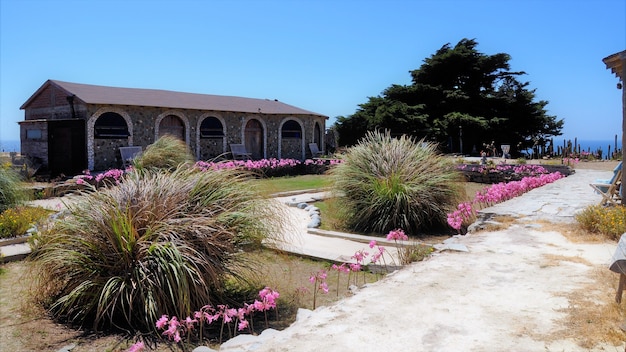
(616, 63)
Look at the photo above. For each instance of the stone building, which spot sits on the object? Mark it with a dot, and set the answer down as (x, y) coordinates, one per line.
(70, 127)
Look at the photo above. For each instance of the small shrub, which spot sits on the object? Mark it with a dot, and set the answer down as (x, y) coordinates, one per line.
(607, 221)
(387, 183)
(157, 243)
(11, 191)
(166, 153)
(16, 221)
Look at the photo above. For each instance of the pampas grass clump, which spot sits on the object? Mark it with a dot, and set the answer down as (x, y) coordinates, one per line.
(158, 243)
(166, 153)
(11, 191)
(386, 183)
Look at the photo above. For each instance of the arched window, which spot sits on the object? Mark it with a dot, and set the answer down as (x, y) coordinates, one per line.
(110, 125)
(211, 127)
(291, 129)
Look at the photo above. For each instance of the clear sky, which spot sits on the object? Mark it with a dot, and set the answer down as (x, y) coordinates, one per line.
(325, 56)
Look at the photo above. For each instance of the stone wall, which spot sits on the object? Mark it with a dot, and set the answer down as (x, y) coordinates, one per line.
(145, 129)
(35, 149)
(291, 148)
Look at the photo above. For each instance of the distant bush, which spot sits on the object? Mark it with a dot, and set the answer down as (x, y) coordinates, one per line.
(16, 221)
(388, 183)
(607, 221)
(166, 153)
(157, 243)
(11, 191)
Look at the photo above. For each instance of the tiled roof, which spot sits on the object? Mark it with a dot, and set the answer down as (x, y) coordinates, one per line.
(92, 94)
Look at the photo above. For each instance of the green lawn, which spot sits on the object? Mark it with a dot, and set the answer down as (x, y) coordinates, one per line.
(294, 183)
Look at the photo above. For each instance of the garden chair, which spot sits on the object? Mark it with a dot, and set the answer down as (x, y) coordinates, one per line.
(239, 152)
(610, 189)
(315, 151)
(128, 154)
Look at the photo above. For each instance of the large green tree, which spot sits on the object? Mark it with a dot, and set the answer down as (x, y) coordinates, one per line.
(460, 98)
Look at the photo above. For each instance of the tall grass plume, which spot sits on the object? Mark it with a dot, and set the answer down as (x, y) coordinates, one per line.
(386, 183)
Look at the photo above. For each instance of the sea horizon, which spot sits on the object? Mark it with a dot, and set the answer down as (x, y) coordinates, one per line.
(591, 145)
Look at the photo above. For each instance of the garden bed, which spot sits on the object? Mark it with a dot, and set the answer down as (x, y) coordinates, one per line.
(506, 173)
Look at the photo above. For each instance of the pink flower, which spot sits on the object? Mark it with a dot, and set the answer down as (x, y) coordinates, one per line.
(160, 324)
(341, 268)
(355, 267)
(242, 324)
(372, 243)
(173, 327)
(397, 234)
(359, 256)
(189, 323)
(138, 346)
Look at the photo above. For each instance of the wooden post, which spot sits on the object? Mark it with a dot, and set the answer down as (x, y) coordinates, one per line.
(617, 64)
(620, 288)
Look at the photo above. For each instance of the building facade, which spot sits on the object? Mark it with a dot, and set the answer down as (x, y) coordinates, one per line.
(70, 127)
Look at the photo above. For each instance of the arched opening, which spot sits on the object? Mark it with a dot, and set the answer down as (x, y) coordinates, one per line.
(317, 136)
(210, 141)
(254, 138)
(291, 140)
(173, 126)
(110, 125)
(211, 127)
(291, 129)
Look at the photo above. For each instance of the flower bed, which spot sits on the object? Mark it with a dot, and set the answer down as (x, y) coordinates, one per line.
(492, 174)
(273, 167)
(497, 193)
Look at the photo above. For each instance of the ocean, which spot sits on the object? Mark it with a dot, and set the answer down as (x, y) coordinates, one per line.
(10, 146)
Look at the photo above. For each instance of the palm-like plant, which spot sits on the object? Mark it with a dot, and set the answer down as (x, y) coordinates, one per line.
(387, 183)
(158, 243)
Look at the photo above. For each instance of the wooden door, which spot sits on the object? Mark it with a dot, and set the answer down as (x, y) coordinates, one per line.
(173, 126)
(66, 147)
(254, 139)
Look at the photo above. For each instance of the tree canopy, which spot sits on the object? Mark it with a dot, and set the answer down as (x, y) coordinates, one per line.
(462, 99)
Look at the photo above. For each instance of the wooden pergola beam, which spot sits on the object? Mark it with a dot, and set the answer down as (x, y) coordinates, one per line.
(617, 64)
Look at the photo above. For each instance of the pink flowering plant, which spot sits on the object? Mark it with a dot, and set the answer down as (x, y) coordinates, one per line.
(501, 172)
(272, 167)
(233, 320)
(104, 179)
(361, 260)
(465, 213)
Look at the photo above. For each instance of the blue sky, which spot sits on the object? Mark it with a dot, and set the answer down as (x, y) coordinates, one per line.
(324, 56)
